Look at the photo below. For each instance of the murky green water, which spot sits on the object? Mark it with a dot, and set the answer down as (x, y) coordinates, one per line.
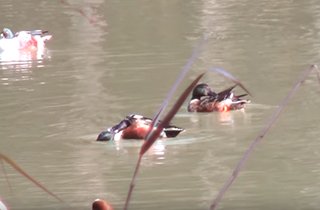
(125, 61)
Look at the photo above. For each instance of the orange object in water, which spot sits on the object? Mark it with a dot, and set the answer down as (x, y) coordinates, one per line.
(100, 204)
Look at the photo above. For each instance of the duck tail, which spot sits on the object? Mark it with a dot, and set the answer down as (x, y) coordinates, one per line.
(38, 32)
(172, 131)
(46, 38)
(242, 95)
(225, 93)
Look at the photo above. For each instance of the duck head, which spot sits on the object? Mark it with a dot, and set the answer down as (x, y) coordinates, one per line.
(105, 136)
(7, 33)
(202, 90)
(116, 130)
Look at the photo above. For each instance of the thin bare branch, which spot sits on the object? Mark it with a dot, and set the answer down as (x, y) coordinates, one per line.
(25, 174)
(154, 134)
(133, 182)
(260, 136)
(184, 71)
(229, 76)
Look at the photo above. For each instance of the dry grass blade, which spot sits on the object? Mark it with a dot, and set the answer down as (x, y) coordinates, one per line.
(132, 184)
(25, 174)
(230, 77)
(260, 136)
(154, 134)
(181, 76)
(166, 120)
(5, 174)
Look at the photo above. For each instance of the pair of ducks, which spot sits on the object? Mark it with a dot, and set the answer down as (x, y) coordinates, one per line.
(203, 100)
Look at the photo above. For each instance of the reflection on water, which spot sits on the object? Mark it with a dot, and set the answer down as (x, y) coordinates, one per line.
(156, 152)
(17, 65)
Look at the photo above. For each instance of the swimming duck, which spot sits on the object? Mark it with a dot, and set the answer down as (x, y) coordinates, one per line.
(205, 100)
(135, 126)
(23, 40)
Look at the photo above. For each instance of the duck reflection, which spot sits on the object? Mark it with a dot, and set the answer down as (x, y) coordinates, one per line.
(21, 59)
(17, 65)
(156, 152)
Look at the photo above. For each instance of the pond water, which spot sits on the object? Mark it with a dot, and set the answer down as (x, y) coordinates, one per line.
(108, 59)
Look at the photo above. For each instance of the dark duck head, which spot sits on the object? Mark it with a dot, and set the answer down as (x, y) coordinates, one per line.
(202, 90)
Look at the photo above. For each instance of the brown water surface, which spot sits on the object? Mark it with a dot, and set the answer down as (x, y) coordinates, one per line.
(111, 58)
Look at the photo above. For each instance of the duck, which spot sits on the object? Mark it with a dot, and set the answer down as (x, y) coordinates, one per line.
(135, 126)
(23, 40)
(203, 99)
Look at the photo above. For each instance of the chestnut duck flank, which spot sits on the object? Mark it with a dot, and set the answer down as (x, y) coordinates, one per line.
(135, 126)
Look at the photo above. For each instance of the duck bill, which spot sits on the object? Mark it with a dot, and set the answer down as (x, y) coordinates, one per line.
(105, 136)
(172, 131)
